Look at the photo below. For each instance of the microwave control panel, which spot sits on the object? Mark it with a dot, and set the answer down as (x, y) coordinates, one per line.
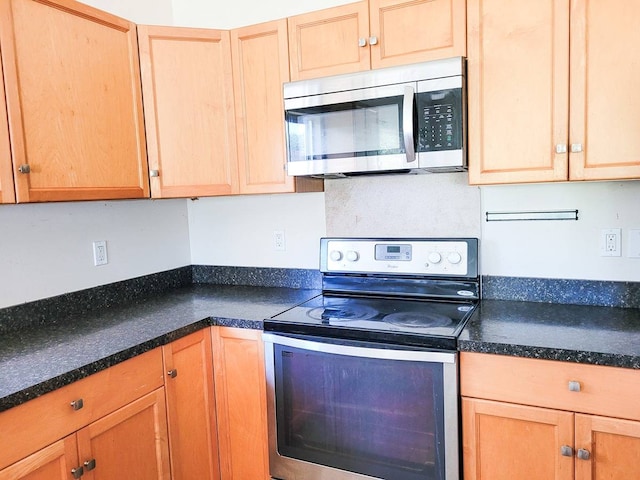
(440, 122)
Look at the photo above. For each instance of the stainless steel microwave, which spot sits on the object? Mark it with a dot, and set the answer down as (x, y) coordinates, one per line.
(398, 119)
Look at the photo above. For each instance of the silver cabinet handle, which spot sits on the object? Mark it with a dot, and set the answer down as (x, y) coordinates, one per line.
(561, 148)
(373, 40)
(90, 464)
(574, 386)
(584, 454)
(362, 42)
(173, 373)
(24, 168)
(407, 123)
(154, 173)
(576, 147)
(77, 472)
(77, 404)
(566, 451)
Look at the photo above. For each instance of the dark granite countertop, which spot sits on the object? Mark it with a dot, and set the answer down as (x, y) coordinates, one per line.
(571, 333)
(40, 359)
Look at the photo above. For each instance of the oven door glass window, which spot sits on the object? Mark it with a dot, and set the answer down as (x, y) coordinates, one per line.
(346, 130)
(377, 417)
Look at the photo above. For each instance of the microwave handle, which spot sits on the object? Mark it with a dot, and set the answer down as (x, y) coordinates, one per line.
(407, 123)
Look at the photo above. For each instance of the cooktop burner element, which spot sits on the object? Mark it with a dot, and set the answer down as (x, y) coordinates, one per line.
(397, 291)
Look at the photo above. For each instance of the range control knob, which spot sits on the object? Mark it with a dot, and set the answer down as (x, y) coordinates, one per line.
(454, 257)
(335, 255)
(435, 257)
(352, 256)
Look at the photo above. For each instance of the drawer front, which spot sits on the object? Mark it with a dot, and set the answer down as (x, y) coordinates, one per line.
(39, 422)
(595, 389)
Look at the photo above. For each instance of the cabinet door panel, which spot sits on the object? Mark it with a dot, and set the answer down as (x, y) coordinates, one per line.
(129, 443)
(504, 441)
(417, 31)
(605, 100)
(74, 101)
(188, 98)
(518, 87)
(191, 408)
(260, 67)
(241, 401)
(7, 194)
(325, 42)
(51, 463)
(614, 446)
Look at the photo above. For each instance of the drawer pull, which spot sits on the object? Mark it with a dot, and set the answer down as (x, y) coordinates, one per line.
(566, 451)
(77, 472)
(90, 464)
(77, 404)
(172, 373)
(584, 454)
(574, 386)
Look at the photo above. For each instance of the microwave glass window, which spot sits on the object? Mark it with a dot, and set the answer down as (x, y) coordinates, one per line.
(377, 417)
(440, 120)
(352, 129)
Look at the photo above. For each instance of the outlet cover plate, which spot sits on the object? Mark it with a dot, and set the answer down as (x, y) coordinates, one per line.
(610, 242)
(634, 244)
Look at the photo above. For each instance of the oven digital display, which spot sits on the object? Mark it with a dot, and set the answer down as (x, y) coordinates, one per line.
(399, 252)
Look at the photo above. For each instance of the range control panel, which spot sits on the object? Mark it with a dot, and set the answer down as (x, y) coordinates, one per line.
(456, 257)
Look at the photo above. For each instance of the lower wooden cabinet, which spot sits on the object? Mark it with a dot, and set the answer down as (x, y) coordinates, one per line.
(506, 440)
(55, 462)
(241, 403)
(191, 408)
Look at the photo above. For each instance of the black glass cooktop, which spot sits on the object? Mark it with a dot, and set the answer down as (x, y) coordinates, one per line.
(428, 323)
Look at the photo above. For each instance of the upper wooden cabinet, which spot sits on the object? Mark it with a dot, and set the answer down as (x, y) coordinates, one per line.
(374, 34)
(74, 102)
(188, 106)
(260, 67)
(545, 82)
(7, 193)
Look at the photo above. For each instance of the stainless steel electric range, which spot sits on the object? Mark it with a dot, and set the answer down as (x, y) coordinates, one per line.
(363, 379)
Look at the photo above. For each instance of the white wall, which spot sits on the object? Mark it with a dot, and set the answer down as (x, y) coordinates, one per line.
(149, 12)
(239, 230)
(239, 13)
(46, 249)
(561, 249)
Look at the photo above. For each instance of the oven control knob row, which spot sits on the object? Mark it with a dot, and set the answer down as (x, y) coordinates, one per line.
(352, 256)
(335, 255)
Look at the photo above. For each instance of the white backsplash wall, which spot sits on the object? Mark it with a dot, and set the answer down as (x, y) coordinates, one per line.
(146, 12)
(560, 249)
(239, 231)
(429, 205)
(47, 249)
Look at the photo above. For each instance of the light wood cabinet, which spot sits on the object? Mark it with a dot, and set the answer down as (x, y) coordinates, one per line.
(189, 114)
(72, 82)
(260, 67)
(241, 403)
(374, 34)
(545, 79)
(116, 417)
(545, 420)
(7, 193)
(191, 407)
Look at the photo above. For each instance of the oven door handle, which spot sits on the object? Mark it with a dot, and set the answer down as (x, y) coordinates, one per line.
(364, 352)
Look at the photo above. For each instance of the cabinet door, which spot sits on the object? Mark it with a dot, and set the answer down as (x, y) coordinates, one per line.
(241, 402)
(74, 101)
(54, 462)
(260, 67)
(417, 31)
(188, 107)
(191, 408)
(605, 99)
(128, 443)
(7, 194)
(503, 441)
(614, 447)
(330, 41)
(518, 88)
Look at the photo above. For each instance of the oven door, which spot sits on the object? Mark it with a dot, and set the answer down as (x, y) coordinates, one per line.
(360, 411)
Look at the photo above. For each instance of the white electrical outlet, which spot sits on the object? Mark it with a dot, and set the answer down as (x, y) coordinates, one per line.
(279, 241)
(633, 249)
(100, 253)
(610, 242)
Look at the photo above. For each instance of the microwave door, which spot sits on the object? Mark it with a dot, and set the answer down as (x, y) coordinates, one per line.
(356, 131)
